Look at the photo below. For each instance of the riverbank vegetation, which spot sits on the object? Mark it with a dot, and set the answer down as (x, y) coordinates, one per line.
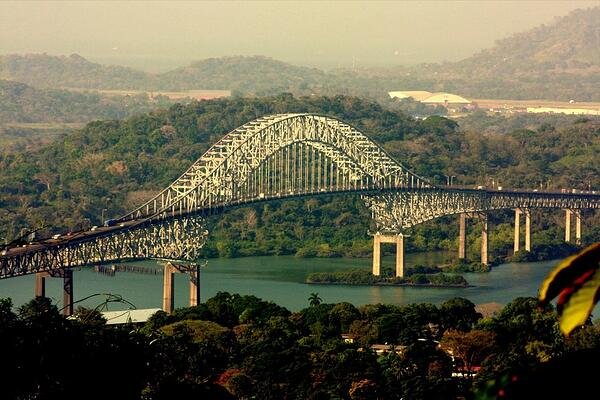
(543, 252)
(241, 347)
(365, 277)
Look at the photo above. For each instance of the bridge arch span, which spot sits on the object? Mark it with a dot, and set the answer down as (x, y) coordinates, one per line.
(277, 155)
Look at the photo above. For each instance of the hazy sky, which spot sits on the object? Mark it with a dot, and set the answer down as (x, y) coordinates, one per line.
(160, 35)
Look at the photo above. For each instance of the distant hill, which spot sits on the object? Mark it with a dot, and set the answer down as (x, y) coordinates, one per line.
(21, 103)
(74, 71)
(570, 44)
(255, 75)
(245, 75)
(559, 61)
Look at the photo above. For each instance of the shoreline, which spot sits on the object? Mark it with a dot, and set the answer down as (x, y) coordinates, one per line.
(389, 284)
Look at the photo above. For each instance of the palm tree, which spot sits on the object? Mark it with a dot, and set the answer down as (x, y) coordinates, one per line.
(314, 299)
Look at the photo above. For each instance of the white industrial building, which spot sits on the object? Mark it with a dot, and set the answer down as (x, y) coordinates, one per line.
(438, 98)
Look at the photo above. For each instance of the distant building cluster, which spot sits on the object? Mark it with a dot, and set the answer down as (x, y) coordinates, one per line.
(568, 111)
(193, 94)
(423, 96)
(455, 104)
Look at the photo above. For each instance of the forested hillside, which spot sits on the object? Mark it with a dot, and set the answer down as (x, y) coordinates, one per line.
(31, 117)
(569, 44)
(22, 103)
(74, 71)
(118, 164)
(247, 75)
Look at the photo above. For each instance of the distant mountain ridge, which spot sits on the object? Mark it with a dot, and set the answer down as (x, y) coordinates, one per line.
(559, 61)
(74, 71)
(256, 74)
(571, 42)
(248, 75)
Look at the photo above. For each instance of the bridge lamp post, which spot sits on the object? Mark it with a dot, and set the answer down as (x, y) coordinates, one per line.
(102, 218)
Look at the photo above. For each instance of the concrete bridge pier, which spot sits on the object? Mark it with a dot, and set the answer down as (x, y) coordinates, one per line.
(577, 227)
(517, 244)
(577, 215)
(68, 292)
(67, 275)
(168, 288)
(170, 270)
(40, 284)
(484, 239)
(568, 225)
(527, 229)
(398, 239)
(194, 285)
(462, 236)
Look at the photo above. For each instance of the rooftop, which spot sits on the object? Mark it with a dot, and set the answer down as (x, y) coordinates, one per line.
(128, 316)
(428, 97)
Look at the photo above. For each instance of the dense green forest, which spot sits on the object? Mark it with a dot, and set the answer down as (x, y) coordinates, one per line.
(30, 117)
(23, 103)
(241, 347)
(116, 165)
(558, 61)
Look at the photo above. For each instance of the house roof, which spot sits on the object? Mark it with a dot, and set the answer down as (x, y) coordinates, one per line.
(444, 98)
(128, 316)
(417, 95)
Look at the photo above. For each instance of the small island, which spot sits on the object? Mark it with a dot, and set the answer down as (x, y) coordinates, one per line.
(417, 276)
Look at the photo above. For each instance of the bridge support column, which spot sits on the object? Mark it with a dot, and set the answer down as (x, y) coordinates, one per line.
(577, 227)
(484, 239)
(462, 236)
(168, 288)
(67, 275)
(68, 292)
(40, 284)
(170, 270)
(400, 255)
(528, 230)
(194, 285)
(568, 225)
(377, 254)
(398, 239)
(517, 243)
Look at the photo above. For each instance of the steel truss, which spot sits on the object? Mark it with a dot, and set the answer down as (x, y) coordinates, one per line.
(171, 239)
(398, 210)
(279, 156)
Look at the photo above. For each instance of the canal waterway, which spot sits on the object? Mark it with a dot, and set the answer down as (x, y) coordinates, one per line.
(281, 279)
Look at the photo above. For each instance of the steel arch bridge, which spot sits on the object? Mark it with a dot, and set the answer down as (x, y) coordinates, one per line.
(273, 157)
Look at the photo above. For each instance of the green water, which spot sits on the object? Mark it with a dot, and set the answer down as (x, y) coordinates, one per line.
(281, 279)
